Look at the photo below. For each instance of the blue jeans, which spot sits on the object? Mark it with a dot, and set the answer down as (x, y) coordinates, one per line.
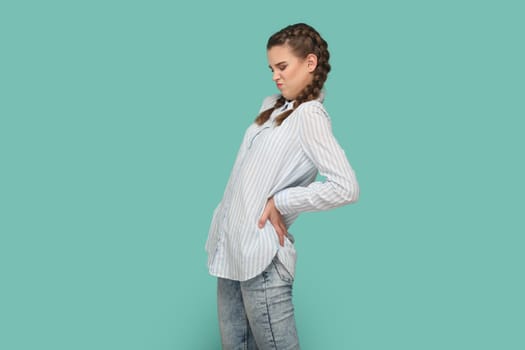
(258, 314)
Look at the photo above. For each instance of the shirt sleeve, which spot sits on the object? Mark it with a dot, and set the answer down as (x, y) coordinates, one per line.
(340, 186)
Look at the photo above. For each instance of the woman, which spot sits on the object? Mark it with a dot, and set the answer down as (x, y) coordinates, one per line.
(273, 180)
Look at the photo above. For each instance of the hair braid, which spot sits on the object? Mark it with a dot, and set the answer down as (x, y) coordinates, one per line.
(304, 40)
(265, 115)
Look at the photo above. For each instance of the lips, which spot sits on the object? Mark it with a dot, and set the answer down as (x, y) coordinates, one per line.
(279, 85)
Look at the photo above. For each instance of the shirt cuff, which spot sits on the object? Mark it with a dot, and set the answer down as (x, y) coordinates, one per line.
(280, 199)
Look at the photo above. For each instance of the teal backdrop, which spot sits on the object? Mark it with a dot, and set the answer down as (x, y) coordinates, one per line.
(119, 124)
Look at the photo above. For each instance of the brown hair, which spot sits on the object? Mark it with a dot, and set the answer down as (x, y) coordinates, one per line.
(303, 40)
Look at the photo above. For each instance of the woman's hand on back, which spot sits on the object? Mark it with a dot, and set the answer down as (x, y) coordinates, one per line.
(271, 213)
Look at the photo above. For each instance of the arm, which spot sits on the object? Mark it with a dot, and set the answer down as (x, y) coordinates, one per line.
(321, 147)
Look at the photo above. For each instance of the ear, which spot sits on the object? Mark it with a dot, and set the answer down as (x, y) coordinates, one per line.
(311, 62)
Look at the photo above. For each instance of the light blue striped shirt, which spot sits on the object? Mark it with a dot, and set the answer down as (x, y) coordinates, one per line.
(283, 162)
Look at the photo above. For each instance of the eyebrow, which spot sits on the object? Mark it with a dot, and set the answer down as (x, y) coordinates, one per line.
(277, 64)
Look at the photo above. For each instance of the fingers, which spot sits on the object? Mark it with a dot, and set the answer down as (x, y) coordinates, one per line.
(280, 229)
(271, 213)
(281, 239)
(264, 217)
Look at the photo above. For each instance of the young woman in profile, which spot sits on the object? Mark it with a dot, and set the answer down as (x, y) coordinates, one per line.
(273, 180)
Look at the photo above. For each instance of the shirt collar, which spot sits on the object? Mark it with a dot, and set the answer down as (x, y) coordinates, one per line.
(289, 104)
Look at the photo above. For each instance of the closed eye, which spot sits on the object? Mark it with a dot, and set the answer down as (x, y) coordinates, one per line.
(280, 66)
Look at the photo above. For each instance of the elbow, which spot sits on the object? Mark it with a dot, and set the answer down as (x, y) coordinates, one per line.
(344, 193)
(351, 193)
(355, 193)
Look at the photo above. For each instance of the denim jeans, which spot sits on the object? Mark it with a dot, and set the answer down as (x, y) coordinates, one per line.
(258, 314)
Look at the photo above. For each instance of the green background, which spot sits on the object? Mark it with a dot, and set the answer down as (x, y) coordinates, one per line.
(119, 123)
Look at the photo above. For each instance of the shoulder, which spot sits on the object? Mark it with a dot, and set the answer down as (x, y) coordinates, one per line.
(269, 102)
(312, 110)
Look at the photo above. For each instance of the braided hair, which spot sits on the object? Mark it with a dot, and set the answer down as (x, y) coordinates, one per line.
(303, 40)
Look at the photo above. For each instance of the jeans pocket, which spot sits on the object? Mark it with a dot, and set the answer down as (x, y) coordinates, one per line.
(283, 273)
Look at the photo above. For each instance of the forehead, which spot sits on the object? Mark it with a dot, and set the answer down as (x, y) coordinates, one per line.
(280, 53)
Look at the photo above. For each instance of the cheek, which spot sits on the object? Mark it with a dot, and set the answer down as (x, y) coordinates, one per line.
(291, 74)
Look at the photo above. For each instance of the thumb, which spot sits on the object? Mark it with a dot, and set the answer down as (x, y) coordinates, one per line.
(263, 218)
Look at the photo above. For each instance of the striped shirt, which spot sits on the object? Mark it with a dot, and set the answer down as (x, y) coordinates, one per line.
(283, 162)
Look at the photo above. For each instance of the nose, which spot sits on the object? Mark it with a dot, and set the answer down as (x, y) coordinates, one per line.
(275, 76)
